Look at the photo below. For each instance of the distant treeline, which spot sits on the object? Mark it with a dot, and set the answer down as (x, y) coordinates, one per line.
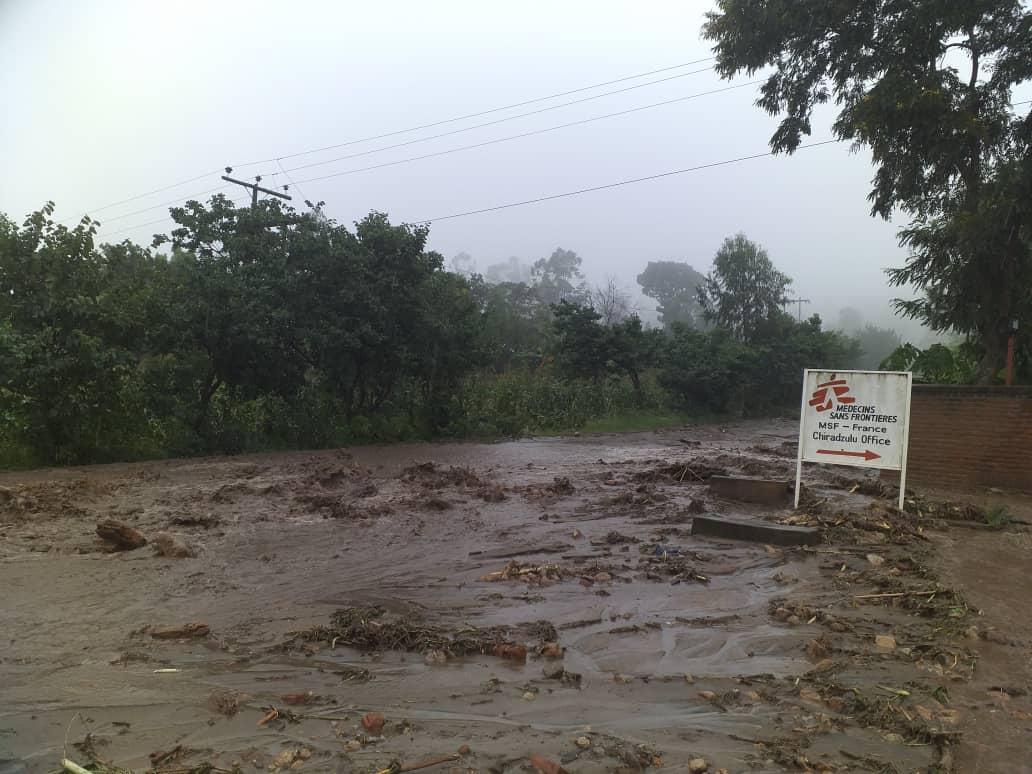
(264, 328)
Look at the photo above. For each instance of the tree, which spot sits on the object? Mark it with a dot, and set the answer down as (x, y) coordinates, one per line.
(611, 301)
(65, 344)
(232, 303)
(585, 348)
(558, 278)
(674, 285)
(927, 87)
(744, 289)
(938, 364)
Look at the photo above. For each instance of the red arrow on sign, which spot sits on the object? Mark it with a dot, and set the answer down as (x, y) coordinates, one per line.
(867, 455)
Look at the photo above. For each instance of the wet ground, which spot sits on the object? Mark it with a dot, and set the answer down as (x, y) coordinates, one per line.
(901, 643)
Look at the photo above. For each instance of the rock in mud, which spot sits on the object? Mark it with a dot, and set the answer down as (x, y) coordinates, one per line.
(551, 650)
(166, 544)
(121, 536)
(224, 702)
(434, 657)
(582, 742)
(291, 758)
(698, 765)
(885, 641)
(543, 765)
(517, 653)
(492, 493)
(184, 632)
(373, 722)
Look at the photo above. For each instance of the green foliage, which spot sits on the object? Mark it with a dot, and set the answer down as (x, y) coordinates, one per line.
(264, 329)
(585, 348)
(521, 402)
(927, 86)
(65, 343)
(558, 278)
(744, 289)
(716, 372)
(675, 286)
(938, 364)
(998, 516)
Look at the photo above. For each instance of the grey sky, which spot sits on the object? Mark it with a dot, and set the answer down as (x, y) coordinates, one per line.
(111, 98)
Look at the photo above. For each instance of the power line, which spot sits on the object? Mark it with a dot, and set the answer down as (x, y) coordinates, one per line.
(203, 175)
(491, 123)
(613, 185)
(525, 134)
(177, 200)
(484, 112)
(150, 193)
(447, 151)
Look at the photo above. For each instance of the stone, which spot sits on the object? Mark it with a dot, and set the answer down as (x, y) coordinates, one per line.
(698, 765)
(169, 545)
(755, 531)
(373, 722)
(543, 765)
(885, 641)
(121, 536)
(751, 490)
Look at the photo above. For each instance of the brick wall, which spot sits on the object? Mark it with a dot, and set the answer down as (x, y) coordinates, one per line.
(964, 436)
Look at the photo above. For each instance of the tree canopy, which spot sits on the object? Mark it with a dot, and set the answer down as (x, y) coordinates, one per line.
(675, 287)
(744, 289)
(926, 86)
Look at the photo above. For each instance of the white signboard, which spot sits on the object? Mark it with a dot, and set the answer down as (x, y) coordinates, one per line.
(859, 418)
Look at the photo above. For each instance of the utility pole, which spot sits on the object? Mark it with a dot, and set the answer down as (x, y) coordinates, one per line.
(254, 188)
(800, 302)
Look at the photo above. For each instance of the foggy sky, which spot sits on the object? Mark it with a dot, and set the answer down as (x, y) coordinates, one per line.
(111, 98)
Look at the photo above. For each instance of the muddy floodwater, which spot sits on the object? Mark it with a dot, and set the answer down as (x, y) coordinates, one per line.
(500, 601)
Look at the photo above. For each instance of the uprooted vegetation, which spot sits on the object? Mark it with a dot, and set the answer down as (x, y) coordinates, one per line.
(374, 629)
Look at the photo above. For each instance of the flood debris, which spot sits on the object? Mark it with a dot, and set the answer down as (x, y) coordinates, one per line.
(373, 629)
(205, 522)
(534, 574)
(430, 475)
(181, 632)
(120, 536)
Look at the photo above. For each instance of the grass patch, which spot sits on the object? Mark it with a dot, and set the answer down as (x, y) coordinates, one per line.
(636, 420)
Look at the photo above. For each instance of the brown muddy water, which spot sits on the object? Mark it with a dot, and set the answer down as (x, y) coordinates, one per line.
(755, 658)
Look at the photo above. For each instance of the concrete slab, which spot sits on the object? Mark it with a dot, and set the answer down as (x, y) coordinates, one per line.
(756, 531)
(751, 490)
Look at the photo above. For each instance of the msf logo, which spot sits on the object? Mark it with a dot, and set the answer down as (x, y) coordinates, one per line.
(830, 393)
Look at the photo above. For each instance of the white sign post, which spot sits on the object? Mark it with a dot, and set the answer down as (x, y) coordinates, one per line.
(859, 418)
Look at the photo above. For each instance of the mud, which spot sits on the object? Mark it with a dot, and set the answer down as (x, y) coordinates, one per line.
(542, 597)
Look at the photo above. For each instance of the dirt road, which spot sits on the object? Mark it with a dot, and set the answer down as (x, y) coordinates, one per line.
(647, 648)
